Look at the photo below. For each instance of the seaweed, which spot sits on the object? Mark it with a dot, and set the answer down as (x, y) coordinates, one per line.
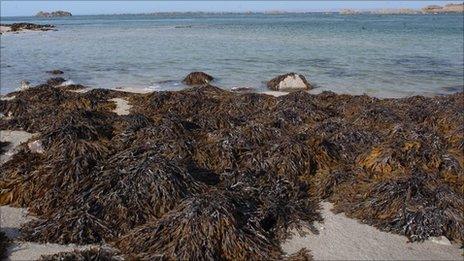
(214, 225)
(204, 173)
(91, 254)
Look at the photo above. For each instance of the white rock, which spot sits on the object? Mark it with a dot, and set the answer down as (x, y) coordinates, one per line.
(442, 240)
(290, 81)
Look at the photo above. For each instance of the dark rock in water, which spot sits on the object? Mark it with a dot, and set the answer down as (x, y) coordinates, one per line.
(289, 81)
(55, 81)
(53, 14)
(55, 72)
(16, 27)
(197, 78)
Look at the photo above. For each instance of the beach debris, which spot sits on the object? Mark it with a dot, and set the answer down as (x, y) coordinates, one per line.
(289, 81)
(91, 254)
(186, 171)
(197, 78)
(55, 72)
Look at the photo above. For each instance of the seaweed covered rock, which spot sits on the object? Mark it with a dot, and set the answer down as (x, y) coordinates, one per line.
(197, 78)
(289, 81)
(16, 27)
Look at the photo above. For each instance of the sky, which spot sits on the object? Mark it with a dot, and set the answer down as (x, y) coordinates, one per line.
(29, 8)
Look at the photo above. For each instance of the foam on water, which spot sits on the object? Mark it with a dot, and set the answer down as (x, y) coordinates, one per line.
(381, 55)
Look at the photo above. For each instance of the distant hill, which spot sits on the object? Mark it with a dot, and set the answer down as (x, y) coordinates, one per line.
(53, 14)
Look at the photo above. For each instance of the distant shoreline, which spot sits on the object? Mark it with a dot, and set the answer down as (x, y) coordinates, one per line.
(341, 12)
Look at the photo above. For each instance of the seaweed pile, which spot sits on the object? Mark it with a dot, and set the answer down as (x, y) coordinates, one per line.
(91, 254)
(205, 173)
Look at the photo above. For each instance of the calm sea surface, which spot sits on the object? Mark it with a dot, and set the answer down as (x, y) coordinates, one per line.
(381, 55)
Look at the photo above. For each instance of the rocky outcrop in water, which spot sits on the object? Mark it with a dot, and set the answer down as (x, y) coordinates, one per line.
(55, 72)
(289, 81)
(197, 78)
(449, 8)
(17, 27)
(53, 14)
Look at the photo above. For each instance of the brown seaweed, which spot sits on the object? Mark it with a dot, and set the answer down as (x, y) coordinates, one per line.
(91, 254)
(191, 170)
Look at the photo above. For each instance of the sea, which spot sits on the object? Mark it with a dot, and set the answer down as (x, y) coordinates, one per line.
(377, 55)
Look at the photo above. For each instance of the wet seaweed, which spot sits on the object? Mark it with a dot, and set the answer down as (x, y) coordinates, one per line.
(204, 173)
(91, 254)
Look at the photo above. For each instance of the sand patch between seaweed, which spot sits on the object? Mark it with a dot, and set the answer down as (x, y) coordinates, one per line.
(15, 138)
(343, 238)
(11, 220)
(122, 106)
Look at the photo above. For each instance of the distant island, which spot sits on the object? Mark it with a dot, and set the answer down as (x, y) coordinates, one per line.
(53, 14)
(449, 8)
(431, 9)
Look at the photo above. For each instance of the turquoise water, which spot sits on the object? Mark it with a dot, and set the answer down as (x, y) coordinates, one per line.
(381, 55)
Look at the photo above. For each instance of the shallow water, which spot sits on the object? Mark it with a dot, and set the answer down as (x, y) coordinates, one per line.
(380, 55)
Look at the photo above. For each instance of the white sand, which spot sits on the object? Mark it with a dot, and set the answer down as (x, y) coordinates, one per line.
(11, 220)
(122, 106)
(275, 93)
(16, 138)
(342, 238)
(4, 29)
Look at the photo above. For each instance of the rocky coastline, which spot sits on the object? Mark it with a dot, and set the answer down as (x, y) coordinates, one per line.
(24, 27)
(206, 173)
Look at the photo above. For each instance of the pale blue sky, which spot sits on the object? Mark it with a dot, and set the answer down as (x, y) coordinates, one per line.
(28, 8)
